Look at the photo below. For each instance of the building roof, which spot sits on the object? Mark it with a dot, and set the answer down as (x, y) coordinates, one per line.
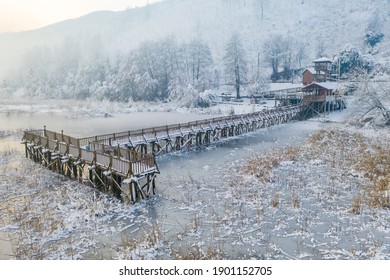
(310, 69)
(322, 59)
(324, 85)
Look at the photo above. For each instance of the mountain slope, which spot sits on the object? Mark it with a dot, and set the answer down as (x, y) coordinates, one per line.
(319, 24)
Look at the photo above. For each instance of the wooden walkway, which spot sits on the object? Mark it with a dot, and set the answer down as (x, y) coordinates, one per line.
(129, 176)
(124, 163)
(165, 139)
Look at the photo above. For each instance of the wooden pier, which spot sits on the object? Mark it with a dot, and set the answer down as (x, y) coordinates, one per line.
(124, 163)
(129, 175)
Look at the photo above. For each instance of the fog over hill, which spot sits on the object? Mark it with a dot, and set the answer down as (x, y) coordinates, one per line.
(318, 27)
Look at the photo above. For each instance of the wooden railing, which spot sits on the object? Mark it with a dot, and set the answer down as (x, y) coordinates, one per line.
(109, 139)
(314, 98)
(127, 162)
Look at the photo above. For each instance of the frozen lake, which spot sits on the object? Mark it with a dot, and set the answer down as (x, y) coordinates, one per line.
(192, 186)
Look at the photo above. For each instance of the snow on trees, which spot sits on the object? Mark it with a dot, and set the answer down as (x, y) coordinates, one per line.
(193, 75)
(352, 59)
(199, 61)
(372, 100)
(374, 33)
(259, 83)
(158, 60)
(279, 53)
(190, 97)
(164, 69)
(373, 38)
(235, 63)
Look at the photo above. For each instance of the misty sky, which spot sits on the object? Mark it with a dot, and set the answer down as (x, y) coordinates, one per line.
(19, 15)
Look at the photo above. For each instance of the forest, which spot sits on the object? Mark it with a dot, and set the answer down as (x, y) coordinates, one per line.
(192, 68)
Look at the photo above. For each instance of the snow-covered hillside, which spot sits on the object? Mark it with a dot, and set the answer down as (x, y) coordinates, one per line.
(99, 55)
(332, 24)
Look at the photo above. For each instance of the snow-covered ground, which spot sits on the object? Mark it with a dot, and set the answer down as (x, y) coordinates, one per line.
(317, 200)
(81, 109)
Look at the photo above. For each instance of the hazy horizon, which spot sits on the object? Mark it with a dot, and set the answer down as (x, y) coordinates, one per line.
(24, 15)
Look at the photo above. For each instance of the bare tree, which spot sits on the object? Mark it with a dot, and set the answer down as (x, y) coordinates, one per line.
(198, 61)
(373, 101)
(235, 63)
(321, 50)
(300, 54)
(259, 6)
(278, 53)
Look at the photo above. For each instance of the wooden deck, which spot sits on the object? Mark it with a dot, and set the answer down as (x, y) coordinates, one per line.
(121, 174)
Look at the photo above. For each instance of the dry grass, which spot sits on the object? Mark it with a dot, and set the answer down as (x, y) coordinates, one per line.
(295, 202)
(261, 166)
(368, 156)
(137, 248)
(375, 164)
(195, 252)
(339, 147)
(275, 200)
(341, 152)
(357, 206)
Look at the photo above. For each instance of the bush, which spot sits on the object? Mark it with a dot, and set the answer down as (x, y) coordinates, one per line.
(352, 59)
(191, 98)
(373, 38)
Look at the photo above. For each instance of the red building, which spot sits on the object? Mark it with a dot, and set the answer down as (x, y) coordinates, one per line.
(322, 97)
(308, 76)
(320, 72)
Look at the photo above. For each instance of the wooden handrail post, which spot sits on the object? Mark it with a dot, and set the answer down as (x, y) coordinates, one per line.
(130, 168)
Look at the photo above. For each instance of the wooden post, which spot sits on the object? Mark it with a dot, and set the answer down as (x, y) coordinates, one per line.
(94, 158)
(91, 175)
(74, 170)
(154, 184)
(130, 169)
(80, 172)
(148, 185)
